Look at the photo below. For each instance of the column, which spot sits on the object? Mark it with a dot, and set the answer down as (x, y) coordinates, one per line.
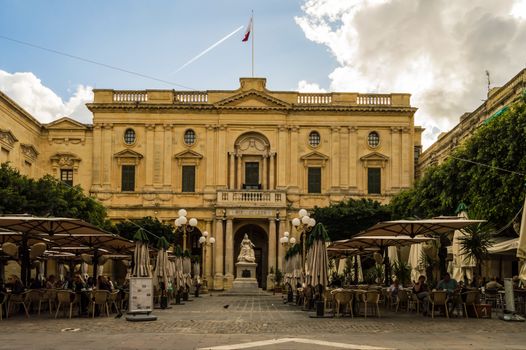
(232, 170)
(281, 248)
(208, 255)
(149, 154)
(353, 149)
(167, 178)
(218, 254)
(107, 134)
(264, 173)
(406, 153)
(239, 183)
(97, 155)
(221, 159)
(294, 156)
(158, 155)
(394, 161)
(272, 184)
(272, 243)
(229, 254)
(209, 157)
(282, 157)
(344, 158)
(335, 159)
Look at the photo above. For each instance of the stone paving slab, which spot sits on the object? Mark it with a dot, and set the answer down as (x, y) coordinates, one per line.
(206, 322)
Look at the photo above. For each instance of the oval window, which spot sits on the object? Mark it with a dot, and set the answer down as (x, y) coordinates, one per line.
(373, 139)
(129, 136)
(189, 137)
(314, 139)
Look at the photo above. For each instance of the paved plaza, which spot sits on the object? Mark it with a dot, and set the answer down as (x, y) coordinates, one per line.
(263, 322)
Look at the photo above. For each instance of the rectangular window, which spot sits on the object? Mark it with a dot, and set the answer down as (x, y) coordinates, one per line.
(188, 178)
(66, 176)
(374, 181)
(128, 178)
(252, 175)
(4, 156)
(314, 175)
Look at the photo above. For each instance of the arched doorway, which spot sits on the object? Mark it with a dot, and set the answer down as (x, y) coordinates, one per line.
(259, 238)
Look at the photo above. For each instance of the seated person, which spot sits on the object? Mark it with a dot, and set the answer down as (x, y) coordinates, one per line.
(34, 283)
(393, 290)
(103, 284)
(51, 281)
(422, 293)
(448, 284)
(16, 285)
(493, 284)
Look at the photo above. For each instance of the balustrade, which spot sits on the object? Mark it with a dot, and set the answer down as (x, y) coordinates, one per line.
(251, 197)
(130, 96)
(191, 97)
(374, 100)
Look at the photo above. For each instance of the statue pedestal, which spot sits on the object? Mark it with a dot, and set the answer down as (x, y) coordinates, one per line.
(246, 276)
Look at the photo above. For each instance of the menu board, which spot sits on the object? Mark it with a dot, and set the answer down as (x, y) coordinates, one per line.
(141, 295)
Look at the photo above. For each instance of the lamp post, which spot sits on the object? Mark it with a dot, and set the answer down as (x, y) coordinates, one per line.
(303, 224)
(287, 241)
(204, 240)
(182, 224)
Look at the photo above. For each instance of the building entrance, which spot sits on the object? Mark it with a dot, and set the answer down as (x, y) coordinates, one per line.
(259, 238)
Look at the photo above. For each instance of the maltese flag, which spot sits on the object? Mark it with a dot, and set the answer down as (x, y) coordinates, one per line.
(248, 30)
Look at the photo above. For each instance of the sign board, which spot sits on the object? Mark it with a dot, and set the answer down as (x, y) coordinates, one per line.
(141, 295)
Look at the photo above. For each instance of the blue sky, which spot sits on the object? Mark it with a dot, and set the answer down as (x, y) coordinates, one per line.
(157, 37)
(437, 50)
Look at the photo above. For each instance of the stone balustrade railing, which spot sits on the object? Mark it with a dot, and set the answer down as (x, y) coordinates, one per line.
(251, 197)
(130, 96)
(191, 97)
(314, 98)
(373, 100)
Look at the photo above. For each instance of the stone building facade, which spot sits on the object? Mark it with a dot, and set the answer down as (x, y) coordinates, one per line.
(239, 161)
(498, 99)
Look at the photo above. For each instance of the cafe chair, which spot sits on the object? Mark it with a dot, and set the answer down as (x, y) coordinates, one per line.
(17, 299)
(343, 298)
(66, 298)
(371, 297)
(438, 298)
(100, 298)
(470, 300)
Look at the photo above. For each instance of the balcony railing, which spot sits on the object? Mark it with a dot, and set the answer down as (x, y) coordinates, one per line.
(251, 197)
(373, 99)
(130, 96)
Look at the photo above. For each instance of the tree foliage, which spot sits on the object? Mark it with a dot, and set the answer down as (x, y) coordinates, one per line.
(347, 218)
(47, 196)
(152, 226)
(472, 174)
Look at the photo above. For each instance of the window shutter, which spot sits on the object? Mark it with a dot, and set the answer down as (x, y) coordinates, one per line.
(128, 178)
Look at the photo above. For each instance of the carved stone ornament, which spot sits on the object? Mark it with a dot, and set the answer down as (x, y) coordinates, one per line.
(7, 139)
(29, 151)
(65, 160)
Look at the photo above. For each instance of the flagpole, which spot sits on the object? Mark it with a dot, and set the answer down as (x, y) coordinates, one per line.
(252, 43)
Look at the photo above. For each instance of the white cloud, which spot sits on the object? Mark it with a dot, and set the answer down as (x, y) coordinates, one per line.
(41, 102)
(305, 86)
(437, 50)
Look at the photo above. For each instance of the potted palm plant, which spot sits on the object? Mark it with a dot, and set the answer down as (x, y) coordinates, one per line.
(475, 243)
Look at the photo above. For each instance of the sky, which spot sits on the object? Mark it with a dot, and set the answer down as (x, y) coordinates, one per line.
(437, 50)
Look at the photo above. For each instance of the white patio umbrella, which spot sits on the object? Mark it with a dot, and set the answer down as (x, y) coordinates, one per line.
(392, 254)
(161, 264)
(521, 250)
(318, 265)
(187, 270)
(463, 265)
(84, 270)
(415, 254)
(141, 255)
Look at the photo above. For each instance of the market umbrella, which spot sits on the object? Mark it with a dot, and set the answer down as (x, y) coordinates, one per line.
(161, 264)
(141, 255)
(187, 269)
(319, 262)
(413, 228)
(463, 264)
(179, 275)
(392, 254)
(521, 250)
(415, 261)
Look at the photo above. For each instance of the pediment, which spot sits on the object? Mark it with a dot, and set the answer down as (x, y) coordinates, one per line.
(374, 160)
(252, 98)
(375, 156)
(7, 138)
(29, 151)
(66, 123)
(188, 154)
(128, 153)
(314, 158)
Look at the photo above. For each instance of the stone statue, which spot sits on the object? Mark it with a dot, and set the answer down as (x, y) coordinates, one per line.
(247, 251)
